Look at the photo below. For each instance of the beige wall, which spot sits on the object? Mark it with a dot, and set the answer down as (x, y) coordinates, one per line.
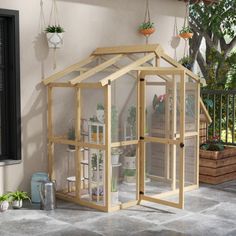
(88, 24)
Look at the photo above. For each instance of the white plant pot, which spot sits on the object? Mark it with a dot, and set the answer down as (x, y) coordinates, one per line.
(4, 206)
(130, 162)
(55, 40)
(17, 204)
(100, 115)
(114, 197)
(95, 176)
(115, 159)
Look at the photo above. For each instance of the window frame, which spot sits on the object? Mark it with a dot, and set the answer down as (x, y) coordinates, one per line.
(12, 89)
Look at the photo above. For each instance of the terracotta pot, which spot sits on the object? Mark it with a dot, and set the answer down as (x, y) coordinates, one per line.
(147, 32)
(186, 35)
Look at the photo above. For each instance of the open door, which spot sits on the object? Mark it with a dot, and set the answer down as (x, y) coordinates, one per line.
(162, 134)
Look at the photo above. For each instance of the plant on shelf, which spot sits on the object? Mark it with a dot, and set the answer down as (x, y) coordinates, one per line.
(4, 202)
(17, 198)
(100, 112)
(114, 124)
(213, 144)
(186, 32)
(97, 166)
(131, 120)
(54, 36)
(97, 193)
(71, 136)
(187, 62)
(115, 155)
(130, 164)
(147, 28)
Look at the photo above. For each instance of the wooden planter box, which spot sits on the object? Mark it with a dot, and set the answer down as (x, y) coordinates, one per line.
(217, 166)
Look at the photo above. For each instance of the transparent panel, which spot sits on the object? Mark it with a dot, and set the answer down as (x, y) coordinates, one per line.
(191, 104)
(64, 169)
(92, 116)
(161, 175)
(63, 110)
(124, 174)
(124, 109)
(93, 175)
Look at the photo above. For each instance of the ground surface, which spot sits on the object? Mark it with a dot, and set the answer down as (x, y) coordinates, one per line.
(208, 211)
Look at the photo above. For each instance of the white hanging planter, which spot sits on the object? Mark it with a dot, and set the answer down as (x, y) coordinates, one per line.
(55, 40)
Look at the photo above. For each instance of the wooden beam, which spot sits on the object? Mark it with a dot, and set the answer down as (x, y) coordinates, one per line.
(205, 112)
(126, 69)
(127, 49)
(161, 140)
(96, 69)
(68, 70)
(160, 70)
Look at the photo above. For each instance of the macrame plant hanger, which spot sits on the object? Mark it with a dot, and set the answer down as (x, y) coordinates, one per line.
(186, 24)
(175, 39)
(54, 20)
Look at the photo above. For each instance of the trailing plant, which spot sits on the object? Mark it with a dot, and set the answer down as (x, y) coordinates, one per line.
(4, 197)
(186, 62)
(131, 119)
(114, 123)
(97, 160)
(146, 25)
(19, 195)
(54, 29)
(185, 29)
(213, 144)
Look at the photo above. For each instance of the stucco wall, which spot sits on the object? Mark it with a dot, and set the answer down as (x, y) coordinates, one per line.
(88, 24)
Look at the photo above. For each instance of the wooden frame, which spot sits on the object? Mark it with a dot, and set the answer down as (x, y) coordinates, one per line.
(172, 139)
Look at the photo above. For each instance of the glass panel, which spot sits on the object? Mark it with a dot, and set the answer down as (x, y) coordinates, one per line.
(64, 168)
(124, 103)
(93, 175)
(124, 174)
(92, 116)
(161, 160)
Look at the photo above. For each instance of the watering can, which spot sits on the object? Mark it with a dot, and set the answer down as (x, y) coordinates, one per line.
(47, 195)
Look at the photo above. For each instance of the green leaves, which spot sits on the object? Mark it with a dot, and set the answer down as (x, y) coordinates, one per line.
(19, 195)
(146, 25)
(185, 30)
(54, 29)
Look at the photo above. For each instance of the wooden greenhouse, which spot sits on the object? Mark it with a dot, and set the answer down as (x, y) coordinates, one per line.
(123, 126)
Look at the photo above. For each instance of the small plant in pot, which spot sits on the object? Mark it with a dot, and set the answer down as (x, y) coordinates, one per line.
(186, 62)
(100, 112)
(97, 166)
(186, 32)
(131, 120)
(17, 199)
(115, 155)
(114, 191)
(147, 28)
(71, 136)
(4, 202)
(54, 36)
(213, 144)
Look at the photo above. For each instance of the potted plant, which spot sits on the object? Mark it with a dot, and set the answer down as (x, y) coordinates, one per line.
(97, 194)
(54, 36)
(97, 166)
(114, 124)
(131, 120)
(147, 28)
(186, 32)
(100, 112)
(71, 136)
(130, 165)
(17, 198)
(4, 202)
(187, 62)
(115, 155)
(158, 103)
(114, 191)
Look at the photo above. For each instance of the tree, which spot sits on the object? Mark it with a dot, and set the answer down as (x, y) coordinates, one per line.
(215, 26)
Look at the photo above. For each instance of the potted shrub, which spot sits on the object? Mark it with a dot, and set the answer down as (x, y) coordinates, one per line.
(4, 202)
(54, 36)
(17, 199)
(97, 194)
(97, 166)
(115, 155)
(71, 136)
(130, 165)
(100, 112)
(114, 191)
(187, 62)
(186, 32)
(131, 120)
(147, 28)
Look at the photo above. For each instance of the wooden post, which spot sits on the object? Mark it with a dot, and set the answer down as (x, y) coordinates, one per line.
(198, 128)
(182, 141)
(108, 147)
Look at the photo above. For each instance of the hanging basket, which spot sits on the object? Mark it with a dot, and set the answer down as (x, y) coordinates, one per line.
(147, 32)
(186, 35)
(55, 40)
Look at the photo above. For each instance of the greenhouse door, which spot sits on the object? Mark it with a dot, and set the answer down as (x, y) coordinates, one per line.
(162, 133)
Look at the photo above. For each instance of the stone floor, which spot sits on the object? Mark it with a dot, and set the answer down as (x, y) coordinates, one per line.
(211, 210)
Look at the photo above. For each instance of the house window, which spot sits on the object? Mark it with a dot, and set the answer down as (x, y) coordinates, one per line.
(10, 132)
